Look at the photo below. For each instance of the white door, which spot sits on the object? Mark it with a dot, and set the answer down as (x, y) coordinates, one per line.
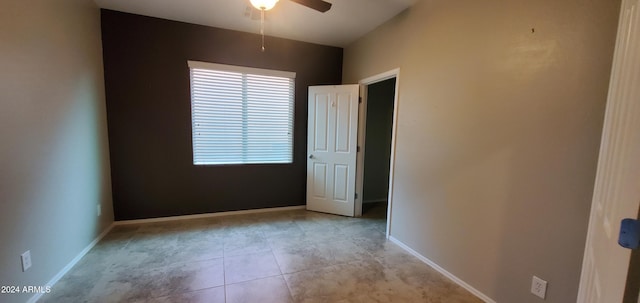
(617, 188)
(331, 148)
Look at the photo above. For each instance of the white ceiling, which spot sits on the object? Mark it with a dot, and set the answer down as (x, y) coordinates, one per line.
(346, 21)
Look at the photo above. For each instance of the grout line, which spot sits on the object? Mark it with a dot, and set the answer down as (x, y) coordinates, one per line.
(276, 259)
(254, 279)
(281, 272)
(224, 274)
(224, 290)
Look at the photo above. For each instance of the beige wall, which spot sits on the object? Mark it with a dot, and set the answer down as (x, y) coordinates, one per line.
(54, 164)
(498, 134)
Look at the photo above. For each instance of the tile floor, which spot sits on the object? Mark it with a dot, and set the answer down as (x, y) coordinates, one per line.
(290, 256)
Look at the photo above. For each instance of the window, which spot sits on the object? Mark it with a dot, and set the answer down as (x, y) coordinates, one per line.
(241, 115)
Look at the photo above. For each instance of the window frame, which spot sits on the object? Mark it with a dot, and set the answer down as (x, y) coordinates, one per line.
(244, 71)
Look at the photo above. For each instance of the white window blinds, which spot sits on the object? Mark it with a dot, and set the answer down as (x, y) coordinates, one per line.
(241, 115)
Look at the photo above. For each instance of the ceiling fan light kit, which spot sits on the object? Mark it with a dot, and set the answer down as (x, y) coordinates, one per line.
(319, 5)
(265, 5)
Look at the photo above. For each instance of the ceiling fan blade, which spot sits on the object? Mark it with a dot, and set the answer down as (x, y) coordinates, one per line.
(319, 5)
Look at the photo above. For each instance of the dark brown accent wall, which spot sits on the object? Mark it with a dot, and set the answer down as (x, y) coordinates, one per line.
(149, 118)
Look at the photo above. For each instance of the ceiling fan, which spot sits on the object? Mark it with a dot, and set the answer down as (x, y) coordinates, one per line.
(319, 5)
(265, 5)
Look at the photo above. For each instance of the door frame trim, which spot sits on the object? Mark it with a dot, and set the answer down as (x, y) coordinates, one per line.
(618, 144)
(394, 73)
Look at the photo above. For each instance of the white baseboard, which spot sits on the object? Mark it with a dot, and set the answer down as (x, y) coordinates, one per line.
(70, 265)
(441, 270)
(210, 215)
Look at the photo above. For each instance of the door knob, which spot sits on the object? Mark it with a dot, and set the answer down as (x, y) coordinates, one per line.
(310, 156)
(629, 234)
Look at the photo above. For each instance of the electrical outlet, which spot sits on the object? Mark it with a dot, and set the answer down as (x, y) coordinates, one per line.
(26, 260)
(539, 287)
(99, 210)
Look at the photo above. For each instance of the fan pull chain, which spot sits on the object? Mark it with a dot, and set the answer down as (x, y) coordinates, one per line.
(262, 27)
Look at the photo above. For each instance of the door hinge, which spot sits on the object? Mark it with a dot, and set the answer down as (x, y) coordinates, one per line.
(356, 195)
(359, 99)
(357, 149)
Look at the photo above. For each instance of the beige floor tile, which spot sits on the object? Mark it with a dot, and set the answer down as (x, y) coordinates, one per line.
(292, 256)
(209, 295)
(158, 282)
(267, 290)
(336, 282)
(249, 267)
(242, 243)
(303, 257)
